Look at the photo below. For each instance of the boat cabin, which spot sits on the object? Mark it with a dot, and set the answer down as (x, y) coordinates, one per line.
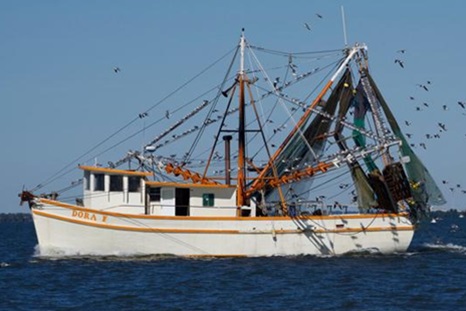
(183, 199)
(114, 190)
(127, 191)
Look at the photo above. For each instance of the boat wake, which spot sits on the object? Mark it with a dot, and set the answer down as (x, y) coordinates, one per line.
(60, 254)
(449, 247)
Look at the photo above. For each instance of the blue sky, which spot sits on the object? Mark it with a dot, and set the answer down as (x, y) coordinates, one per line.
(60, 96)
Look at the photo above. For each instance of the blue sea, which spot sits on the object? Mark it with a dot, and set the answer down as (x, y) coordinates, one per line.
(430, 276)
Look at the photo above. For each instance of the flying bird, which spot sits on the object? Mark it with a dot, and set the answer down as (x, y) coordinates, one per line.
(307, 26)
(442, 126)
(318, 15)
(407, 123)
(411, 97)
(445, 107)
(116, 69)
(426, 104)
(167, 114)
(463, 105)
(402, 51)
(400, 62)
(423, 86)
(409, 135)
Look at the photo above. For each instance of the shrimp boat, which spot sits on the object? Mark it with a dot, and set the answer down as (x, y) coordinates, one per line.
(289, 168)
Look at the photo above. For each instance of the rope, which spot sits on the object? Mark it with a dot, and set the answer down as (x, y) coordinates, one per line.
(57, 174)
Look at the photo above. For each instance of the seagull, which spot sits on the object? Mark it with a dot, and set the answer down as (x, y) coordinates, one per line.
(442, 126)
(444, 182)
(116, 69)
(418, 108)
(428, 136)
(397, 61)
(167, 114)
(407, 123)
(445, 107)
(401, 51)
(423, 86)
(462, 105)
(409, 135)
(307, 26)
(412, 98)
(423, 145)
(426, 104)
(318, 15)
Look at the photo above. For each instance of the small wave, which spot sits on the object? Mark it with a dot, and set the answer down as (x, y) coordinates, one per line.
(4, 264)
(449, 247)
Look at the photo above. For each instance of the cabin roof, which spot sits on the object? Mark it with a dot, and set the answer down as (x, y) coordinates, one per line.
(107, 170)
(187, 185)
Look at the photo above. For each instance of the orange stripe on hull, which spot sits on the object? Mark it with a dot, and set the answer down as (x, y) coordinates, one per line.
(215, 231)
(215, 218)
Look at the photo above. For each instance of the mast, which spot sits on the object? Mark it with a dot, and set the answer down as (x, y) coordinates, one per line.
(241, 179)
(259, 181)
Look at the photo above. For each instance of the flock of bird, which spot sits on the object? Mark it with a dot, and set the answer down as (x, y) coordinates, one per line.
(425, 86)
(442, 128)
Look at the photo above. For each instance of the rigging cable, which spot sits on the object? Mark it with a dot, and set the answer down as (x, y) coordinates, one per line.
(55, 176)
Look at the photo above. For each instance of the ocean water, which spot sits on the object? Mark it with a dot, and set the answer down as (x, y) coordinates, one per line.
(430, 276)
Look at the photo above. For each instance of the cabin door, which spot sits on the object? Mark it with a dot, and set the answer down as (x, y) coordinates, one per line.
(182, 202)
(167, 202)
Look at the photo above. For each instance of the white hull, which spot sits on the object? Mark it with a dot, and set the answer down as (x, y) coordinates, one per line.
(75, 230)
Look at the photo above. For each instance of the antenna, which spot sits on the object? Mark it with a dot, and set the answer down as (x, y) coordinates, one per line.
(344, 25)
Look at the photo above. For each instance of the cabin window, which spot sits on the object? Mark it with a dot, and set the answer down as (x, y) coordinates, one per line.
(208, 199)
(99, 182)
(116, 183)
(154, 194)
(134, 183)
(87, 180)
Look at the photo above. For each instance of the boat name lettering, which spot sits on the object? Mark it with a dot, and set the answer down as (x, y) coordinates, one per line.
(88, 216)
